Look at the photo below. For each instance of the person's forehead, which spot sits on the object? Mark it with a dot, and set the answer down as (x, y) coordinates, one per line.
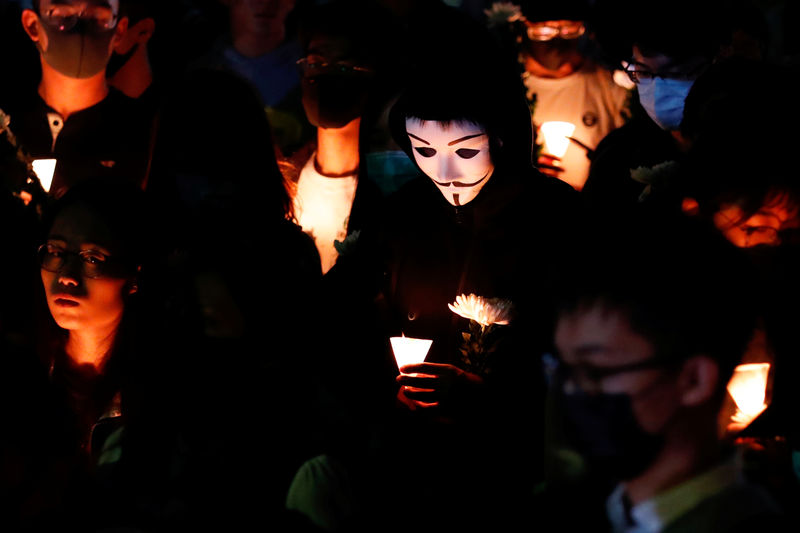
(658, 61)
(442, 130)
(600, 336)
(77, 225)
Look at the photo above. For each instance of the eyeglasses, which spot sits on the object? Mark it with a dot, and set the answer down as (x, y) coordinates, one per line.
(94, 263)
(546, 31)
(66, 17)
(313, 67)
(637, 74)
(590, 378)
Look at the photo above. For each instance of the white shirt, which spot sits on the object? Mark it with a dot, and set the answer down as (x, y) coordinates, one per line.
(322, 207)
(589, 99)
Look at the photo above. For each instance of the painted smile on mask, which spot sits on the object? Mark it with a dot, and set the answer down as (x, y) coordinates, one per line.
(454, 155)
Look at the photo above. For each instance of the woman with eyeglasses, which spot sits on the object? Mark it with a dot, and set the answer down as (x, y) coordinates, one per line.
(104, 351)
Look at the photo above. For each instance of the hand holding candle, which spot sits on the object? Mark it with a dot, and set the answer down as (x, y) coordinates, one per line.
(556, 141)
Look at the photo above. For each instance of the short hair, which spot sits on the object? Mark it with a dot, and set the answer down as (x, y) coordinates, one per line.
(681, 284)
(137, 10)
(461, 75)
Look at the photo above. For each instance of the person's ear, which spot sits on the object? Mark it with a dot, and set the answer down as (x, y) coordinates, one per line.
(143, 30)
(119, 32)
(698, 380)
(31, 25)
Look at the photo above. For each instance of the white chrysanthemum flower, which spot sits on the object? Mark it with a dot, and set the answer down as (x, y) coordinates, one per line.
(485, 312)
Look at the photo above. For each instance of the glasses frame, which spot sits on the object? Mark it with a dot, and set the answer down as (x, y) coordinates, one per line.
(68, 22)
(562, 374)
(304, 64)
(638, 75)
(111, 267)
(559, 32)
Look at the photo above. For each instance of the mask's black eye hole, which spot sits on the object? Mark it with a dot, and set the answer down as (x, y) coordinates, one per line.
(467, 153)
(424, 151)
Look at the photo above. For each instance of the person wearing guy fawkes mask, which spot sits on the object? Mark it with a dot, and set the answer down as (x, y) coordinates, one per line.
(643, 359)
(74, 116)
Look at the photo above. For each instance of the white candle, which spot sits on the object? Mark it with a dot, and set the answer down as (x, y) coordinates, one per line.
(410, 351)
(748, 388)
(44, 169)
(556, 135)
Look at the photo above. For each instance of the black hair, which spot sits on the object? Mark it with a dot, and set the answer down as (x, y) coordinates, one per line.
(137, 10)
(739, 154)
(461, 75)
(213, 125)
(680, 283)
(680, 29)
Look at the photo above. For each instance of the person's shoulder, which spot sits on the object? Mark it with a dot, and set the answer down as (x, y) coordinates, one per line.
(737, 509)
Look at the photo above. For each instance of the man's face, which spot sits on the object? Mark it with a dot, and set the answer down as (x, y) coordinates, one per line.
(75, 38)
(455, 156)
(596, 341)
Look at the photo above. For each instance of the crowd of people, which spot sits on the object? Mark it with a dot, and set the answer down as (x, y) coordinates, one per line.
(221, 219)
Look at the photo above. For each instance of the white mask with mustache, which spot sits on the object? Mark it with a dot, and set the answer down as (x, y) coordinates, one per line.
(454, 155)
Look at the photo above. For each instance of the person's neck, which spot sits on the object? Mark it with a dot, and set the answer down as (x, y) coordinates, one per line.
(535, 68)
(252, 45)
(135, 76)
(684, 456)
(69, 95)
(91, 346)
(337, 150)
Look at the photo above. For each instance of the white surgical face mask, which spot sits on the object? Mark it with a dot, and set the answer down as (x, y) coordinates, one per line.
(455, 156)
(663, 99)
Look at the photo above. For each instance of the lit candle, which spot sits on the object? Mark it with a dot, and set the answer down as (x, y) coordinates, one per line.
(44, 169)
(410, 351)
(748, 388)
(556, 135)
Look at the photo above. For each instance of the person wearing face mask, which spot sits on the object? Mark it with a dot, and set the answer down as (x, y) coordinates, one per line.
(643, 357)
(340, 82)
(74, 116)
(565, 83)
(664, 50)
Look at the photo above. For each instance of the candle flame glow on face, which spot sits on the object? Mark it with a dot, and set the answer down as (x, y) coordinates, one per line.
(748, 388)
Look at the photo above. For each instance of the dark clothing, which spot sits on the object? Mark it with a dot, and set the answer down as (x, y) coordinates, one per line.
(474, 461)
(111, 138)
(639, 143)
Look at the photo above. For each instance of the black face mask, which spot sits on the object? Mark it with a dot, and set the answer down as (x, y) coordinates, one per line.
(333, 100)
(604, 429)
(81, 52)
(118, 61)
